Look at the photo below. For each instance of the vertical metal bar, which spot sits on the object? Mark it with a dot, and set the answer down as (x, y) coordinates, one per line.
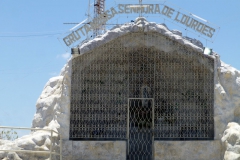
(153, 150)
(126, 50)
(51, 146)
(154, 97)
(128, 127)
(215, 72)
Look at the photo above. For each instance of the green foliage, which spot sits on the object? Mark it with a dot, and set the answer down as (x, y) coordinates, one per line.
(8, 134)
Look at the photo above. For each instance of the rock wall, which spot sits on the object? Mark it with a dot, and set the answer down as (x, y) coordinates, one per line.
(231, 142)
(187, 150)
(94, 150)
(53, 112)
(53, 105)
(36, 141)
(227, 97)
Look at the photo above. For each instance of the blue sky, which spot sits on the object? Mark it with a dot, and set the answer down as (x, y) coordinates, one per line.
(32, 50)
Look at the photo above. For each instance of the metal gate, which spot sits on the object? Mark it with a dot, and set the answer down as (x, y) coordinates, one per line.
(140, 128)
(181, 81)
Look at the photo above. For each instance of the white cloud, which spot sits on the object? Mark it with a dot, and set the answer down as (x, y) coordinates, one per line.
(65, 56)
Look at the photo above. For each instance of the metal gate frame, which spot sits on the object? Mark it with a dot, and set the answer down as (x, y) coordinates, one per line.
(128, 116)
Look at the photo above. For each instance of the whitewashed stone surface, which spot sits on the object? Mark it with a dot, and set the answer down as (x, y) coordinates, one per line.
(36, 141)
(231, 142)
(187, 150)
(99, 150)
(53, 106)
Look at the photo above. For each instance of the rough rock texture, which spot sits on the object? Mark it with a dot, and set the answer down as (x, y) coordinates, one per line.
(227, 97)
(53, 105)
(140, 25)
(52, 112)
(53, 109)
(36, 141)
(231, 142)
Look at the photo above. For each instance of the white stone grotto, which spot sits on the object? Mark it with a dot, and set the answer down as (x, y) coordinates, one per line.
(53, 112)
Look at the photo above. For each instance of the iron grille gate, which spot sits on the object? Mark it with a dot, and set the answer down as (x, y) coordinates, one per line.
(140, 128)
(180, 81)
